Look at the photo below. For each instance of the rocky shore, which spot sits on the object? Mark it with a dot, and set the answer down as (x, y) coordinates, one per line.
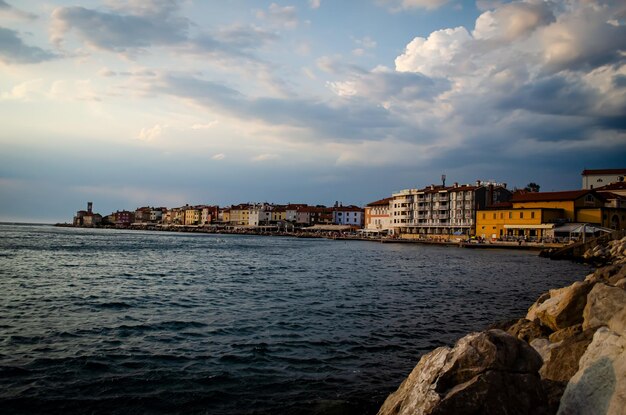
(566, 356)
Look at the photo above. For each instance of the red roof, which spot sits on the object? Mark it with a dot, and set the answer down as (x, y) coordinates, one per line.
(523, 196)
(588, 172)
(612, 186)
(380, 202)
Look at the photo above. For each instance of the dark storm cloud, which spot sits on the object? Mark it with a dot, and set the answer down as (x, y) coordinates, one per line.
(556, 94)
(14, 50)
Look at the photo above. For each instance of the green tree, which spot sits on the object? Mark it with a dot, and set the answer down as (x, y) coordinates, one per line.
(532, 187)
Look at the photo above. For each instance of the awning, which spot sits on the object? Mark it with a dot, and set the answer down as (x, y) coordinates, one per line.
(540, 226)
(578, 228)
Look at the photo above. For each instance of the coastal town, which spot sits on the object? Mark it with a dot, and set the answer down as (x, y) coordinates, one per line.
(483, 211)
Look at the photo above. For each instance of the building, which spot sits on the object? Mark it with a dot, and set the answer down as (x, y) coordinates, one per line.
(209, 214)
(123, 218)
(239, 214)
(87, 218)
(192, 215)
(536, 215)
(260, 214)
(376, 215)
(440, 211)
(592, 179)
(618, 188)
(347, 215)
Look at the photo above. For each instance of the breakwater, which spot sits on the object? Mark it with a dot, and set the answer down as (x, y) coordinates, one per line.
(566, 356)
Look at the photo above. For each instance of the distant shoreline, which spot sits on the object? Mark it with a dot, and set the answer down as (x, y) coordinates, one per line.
(334, 235)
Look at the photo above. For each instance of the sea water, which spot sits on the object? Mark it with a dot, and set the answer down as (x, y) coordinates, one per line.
(116, 322)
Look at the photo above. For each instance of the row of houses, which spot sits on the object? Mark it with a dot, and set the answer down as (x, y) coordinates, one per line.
(248, 215)
(486, 209)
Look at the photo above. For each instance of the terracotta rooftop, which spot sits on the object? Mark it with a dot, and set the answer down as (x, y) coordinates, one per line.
(612, 186)
(380, 202)
(522, 196)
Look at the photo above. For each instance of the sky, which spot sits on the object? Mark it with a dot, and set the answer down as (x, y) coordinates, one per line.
(164, 102)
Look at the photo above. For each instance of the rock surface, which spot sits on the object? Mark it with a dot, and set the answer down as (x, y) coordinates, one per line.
(603, 302)
(599, 385)
(490, 372)
(527, 330)
(564, 356)
(563, 308)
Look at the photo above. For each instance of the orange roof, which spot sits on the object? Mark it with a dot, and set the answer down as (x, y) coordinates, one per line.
(523, 196)
(380, 202)
(612, 186)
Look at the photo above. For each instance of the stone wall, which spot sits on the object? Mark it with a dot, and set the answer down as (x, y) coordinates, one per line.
(567, 356)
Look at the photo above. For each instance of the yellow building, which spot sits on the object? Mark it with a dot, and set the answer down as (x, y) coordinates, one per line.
(279, 214)
(534, 215)
(534, 223)
(239, 214)
(192, 216)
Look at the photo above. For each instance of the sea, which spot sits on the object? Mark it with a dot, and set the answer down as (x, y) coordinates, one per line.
(97, 321)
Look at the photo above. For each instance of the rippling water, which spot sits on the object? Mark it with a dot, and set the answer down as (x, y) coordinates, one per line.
(104, 321)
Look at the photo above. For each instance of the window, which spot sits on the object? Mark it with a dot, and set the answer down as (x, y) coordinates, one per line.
(510, 215)
(494, 215)
(521, 215)
(484, 215)
(501, 215)
(532, 215)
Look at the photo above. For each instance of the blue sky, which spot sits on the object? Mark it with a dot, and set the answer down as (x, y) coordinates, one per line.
(157, 102)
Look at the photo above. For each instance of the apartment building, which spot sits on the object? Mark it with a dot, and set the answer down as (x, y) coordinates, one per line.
(442, 211)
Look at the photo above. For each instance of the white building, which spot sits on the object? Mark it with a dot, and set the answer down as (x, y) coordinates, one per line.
(592, 179)
(377, 215)
(260, 214)
(441, 210)
(348, 215)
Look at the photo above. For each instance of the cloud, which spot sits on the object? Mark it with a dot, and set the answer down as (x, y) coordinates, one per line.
(512, 21)
(398, 5)
(219, 156)
(314, 4)
(149, 134)
(7, 10)
(123, 30)
(13, 50)
(206, 126)
(286, 16)
(265, 157)
(25, 90)
(436, 55)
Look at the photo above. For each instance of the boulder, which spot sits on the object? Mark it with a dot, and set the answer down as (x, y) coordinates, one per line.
(562, 334)
(490, 372)
(564, 356)
(543, 347)
(621, 284)
(563, 308)
(599, 385)
(617, 323)
(527, 330)
(603, 302)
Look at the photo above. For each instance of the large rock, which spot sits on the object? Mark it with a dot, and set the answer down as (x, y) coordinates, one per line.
(527, 330)
(564, 307)
(599, 385)
(490, 372)
(564, 356)
(603, 302)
